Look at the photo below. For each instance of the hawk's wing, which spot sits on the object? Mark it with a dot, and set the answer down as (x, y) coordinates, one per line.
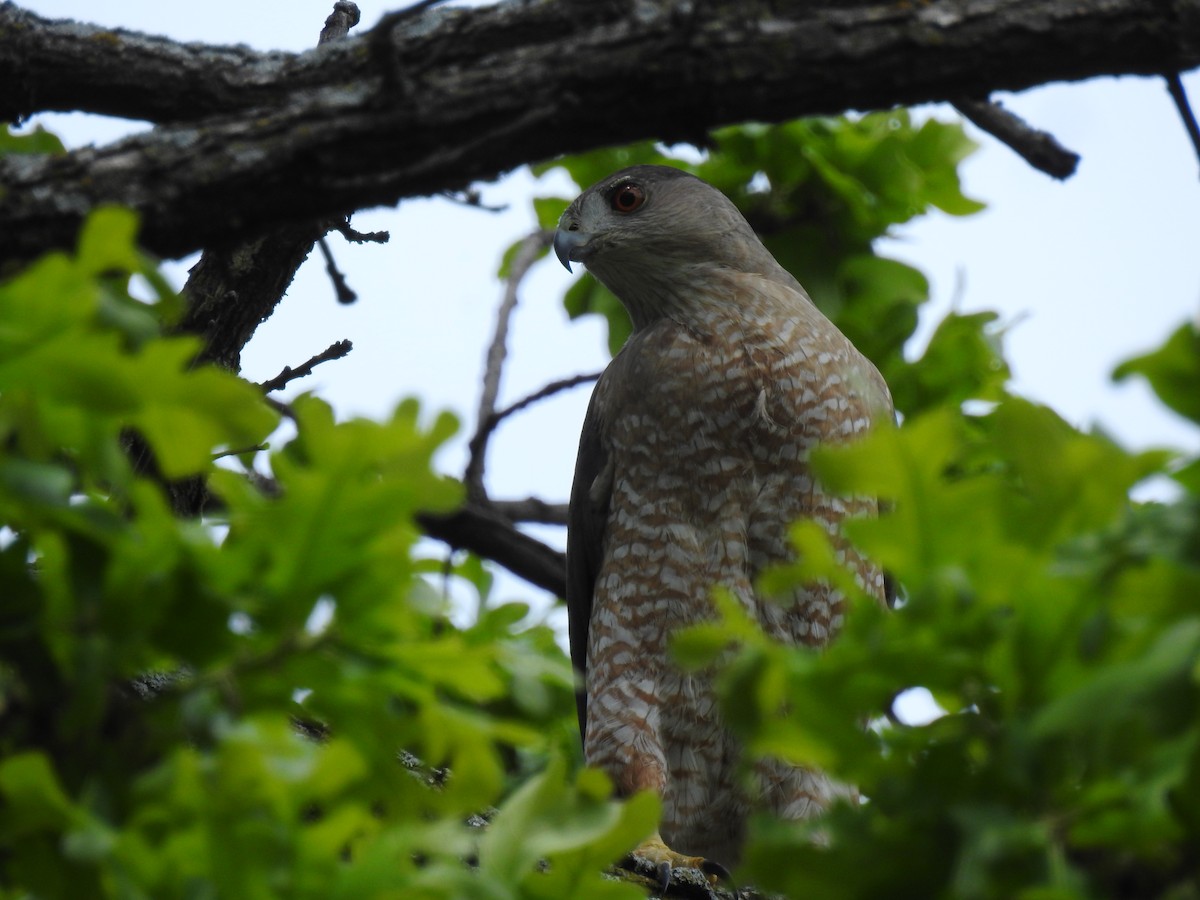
(585, 543)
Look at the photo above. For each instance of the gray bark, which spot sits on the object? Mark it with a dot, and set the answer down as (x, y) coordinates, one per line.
(251, 140)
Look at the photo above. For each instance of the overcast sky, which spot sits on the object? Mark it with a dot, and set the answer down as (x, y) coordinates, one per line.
(1088, 272)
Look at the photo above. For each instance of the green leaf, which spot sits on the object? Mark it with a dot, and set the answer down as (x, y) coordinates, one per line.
(938, 147)
(575, 830)
(549, 210)
(699, 645)
(1173, 371)
(34, 800)
(191, 413)
(1117, 695)
(39, 140)
(587, 295)
(877, 299)
(36, 483)
(964, 360)
(106, 242)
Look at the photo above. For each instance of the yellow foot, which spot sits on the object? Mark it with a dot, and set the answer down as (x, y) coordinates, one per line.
(655, 854)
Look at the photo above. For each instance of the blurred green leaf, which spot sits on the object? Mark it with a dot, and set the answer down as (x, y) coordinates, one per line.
(107, 241)
(587, 295)
(548, 210)
(575, 831)
(963, 361)
(1173, 371)
(33, 798)
(39, 140)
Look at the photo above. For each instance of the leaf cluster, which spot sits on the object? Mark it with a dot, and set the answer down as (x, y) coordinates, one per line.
(234, 706)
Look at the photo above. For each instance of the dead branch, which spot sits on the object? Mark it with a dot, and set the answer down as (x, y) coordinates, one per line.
(549, 390)
(334, 351)
(1038, 148)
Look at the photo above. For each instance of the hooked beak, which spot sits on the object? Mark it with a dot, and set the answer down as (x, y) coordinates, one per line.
(568, 242)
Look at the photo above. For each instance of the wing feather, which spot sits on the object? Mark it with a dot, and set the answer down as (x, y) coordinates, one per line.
(585, 544)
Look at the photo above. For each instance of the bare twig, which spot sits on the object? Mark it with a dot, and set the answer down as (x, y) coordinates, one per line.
(549, 390)
(1038, 148)
(361, 237)
(1175, 86)
(284, 409)
(471, 197)
(532, 510)
(257, 448)
(333, 351)
(344, 17)
(527, 255)
(345, 293)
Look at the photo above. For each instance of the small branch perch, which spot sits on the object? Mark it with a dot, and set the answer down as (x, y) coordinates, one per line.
(333, 351)
(549, 390)
(1038, 148)
(361, 237)
(341, 288)
(1179, 95)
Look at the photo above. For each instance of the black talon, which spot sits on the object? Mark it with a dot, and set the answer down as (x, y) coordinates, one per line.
(716, 870)
(664, 877)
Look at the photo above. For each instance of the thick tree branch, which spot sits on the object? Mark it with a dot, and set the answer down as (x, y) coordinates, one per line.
(480, 91)
(236, 285)
(531, 509)
(490, 535)
(63, 66)
(344, 17)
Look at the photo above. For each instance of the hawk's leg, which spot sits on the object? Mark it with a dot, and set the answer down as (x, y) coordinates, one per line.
(623, 739)
(664, 860)
(647, 773)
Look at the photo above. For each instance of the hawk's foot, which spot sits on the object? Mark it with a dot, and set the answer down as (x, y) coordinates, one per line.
(655, 854)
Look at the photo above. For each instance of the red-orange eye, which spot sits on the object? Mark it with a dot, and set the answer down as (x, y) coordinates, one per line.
(627, 198)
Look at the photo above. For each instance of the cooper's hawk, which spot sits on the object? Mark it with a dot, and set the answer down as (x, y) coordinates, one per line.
(692, 465)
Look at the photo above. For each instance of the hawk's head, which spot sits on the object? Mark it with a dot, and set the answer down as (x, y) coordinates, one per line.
(651, 233)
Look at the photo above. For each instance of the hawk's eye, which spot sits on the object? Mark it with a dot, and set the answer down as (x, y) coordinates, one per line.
(627, 198)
